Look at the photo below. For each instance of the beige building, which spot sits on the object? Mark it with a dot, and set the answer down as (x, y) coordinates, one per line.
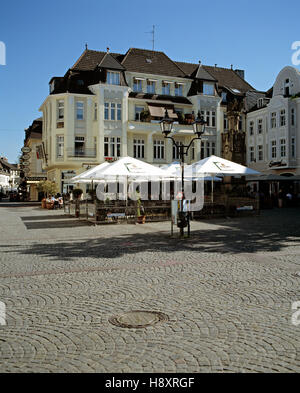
(34, 171)
(109, 105)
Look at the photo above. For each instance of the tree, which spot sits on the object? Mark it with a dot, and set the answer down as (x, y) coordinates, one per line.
(48, 187)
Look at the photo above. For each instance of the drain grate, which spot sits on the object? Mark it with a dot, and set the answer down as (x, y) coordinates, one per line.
(138, 319)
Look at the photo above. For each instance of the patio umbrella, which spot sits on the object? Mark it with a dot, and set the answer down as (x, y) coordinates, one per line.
(131, 168)
(174, 171)
(90, 174)
(214, 165)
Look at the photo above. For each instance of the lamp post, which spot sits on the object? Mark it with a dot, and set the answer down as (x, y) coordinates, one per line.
(166, 125)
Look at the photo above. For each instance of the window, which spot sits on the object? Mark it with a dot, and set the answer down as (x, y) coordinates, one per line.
(150, 87)
(287, 87)
(273, 120)
(159, 150)
(79, 110)
(208, 89)
(79, 146)
(224, 96)
(60, 109)
(112, 111)
(202, 150)
(113, 78)
(207, 149)
(259, 126)
(293, 147)
(282, 118)
(193, 151)
(260, 153)
(274, 150)
(138, 111)
(240, 123)
(137, 85)
(119, 112)
(293, 123)
(166, 88)
(225, 122)
(251, 127)
(213, 119)
(95, 111)
(207, 118)
(138, 148)
(112, 147)
(213, 148)
(252, 158)
(176, 154)
(282, 148)
(178, 89)
(59, 146)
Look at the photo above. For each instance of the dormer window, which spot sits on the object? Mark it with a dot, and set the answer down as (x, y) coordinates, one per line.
(287, 88)
(52, 86)
(208, 89)
(151, 86)
(178, 89)
(224, 96)
(137, 85)
(166, 88)
(113, 78)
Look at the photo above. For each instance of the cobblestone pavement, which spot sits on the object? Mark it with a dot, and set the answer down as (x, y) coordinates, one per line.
(227, 291)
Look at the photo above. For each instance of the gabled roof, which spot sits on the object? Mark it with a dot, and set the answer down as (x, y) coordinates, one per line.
(226, 77)
(229, 78)
(201, 73)
(151, 62)
(108, 61)
(89, 60)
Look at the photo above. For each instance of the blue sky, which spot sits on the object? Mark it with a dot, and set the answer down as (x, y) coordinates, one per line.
(43, 39)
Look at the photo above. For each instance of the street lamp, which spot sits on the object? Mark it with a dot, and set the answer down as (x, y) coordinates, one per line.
(166, 125)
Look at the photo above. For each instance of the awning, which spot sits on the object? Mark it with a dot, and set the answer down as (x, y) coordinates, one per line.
(159, 111)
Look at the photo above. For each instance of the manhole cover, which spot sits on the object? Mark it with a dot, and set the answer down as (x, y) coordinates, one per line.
(138, 319)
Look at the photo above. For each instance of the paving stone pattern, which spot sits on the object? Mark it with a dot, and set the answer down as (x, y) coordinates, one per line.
(227, 291)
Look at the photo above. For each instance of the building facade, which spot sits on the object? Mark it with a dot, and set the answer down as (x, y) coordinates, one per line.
(273, 127)
(109, 105)
(34, 171)
(9, 176)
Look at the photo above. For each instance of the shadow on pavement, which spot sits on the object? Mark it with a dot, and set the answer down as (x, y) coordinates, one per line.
(272, 231)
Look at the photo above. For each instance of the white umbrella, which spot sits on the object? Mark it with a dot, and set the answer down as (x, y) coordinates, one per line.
(214, 165)
(131, 168)
(174, 172)
(90, 174)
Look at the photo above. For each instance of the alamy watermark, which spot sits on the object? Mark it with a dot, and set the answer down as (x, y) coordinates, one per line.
(296, 314)
(2, 314)
(2, 54)
(296, 54)
(154, 190)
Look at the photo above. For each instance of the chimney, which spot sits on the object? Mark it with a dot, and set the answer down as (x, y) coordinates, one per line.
(241, 73)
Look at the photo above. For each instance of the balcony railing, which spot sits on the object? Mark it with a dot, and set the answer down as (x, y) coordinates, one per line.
(72, 152)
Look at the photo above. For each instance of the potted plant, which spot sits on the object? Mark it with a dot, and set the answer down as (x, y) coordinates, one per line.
(145, 116)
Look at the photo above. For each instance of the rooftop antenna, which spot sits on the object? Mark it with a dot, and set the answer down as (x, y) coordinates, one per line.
(153, 36)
